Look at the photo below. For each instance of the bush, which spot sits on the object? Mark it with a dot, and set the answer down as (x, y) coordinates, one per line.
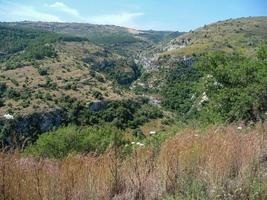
(12, 93)
(3, 87)
(43, 71)
(97, 95)
(2, 102)
(73, 139)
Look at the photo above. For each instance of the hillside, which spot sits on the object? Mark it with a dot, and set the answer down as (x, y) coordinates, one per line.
(125, 41)
(208, 71)
(34, 72)
(241, 34)
(50, 79)
(42, 62)
(233, 35)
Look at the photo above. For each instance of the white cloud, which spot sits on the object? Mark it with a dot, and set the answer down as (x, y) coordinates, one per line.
(64, 8)
(121, 19)
(17, 12)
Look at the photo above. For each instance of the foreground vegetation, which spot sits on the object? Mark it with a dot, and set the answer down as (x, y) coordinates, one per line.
(215, 163)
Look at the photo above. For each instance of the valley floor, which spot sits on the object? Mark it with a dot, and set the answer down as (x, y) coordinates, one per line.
(215, 163)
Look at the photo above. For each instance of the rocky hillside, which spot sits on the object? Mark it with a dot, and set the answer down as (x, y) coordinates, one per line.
(233, 35)
(242, 34)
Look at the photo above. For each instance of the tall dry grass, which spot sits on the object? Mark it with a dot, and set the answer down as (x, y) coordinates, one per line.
(221, 163)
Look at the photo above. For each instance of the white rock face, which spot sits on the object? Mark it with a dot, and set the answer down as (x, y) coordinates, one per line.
(8, 116)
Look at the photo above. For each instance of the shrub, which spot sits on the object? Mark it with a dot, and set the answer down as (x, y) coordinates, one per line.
(2, 102)
(43, 71)
(3, 87)
(25, 103)
(12, 93)
(97, 95)
(73, 139)
(15, 82)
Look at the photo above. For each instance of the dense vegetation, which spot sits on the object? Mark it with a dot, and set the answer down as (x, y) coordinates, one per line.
(74, 139)
(18, 45)
(121, 114)
(35, 44)
(124, 41)
(221, 87)
(123, 71)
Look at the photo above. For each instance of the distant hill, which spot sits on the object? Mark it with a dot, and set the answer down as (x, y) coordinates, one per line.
(123, 40)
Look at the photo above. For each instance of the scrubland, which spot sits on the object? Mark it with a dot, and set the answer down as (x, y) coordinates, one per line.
(215, 163)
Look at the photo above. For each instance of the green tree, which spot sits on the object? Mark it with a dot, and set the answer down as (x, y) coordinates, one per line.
(236, 85)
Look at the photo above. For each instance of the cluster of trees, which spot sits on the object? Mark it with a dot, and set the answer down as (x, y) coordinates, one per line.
(38, 51)
(15, 40)
(3, 88)
(35, 43)
(74, 139)
(122, 71)
(179, 88)
(220, 87)
(113, 38)
(26, 44)
(122, 114)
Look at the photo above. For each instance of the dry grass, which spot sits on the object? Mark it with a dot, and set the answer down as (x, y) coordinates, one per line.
(222, 163)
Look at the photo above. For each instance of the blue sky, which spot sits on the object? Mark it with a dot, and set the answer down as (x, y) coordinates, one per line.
(182, 15)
